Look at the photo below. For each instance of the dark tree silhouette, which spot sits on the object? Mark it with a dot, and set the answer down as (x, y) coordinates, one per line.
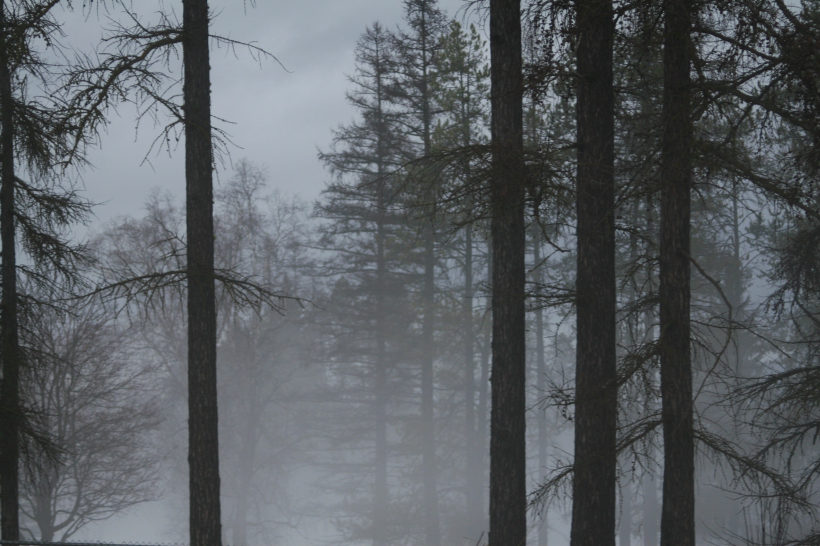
(35, 209)
(98, 402)
(10, 393)
(203, 438)
(508, 492)
(593, 487)
(678, 510)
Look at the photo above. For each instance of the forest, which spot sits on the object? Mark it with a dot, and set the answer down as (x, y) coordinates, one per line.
(561, 285)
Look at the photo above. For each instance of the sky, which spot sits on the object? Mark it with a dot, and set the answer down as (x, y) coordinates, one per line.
(280, 115)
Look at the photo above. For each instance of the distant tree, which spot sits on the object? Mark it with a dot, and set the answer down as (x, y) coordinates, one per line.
(461, 90)
(99, 403)
(417, 51)
(366, 229)
(265, 356)
(264, 353)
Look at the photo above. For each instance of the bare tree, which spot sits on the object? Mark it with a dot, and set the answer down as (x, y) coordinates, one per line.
(98, 401)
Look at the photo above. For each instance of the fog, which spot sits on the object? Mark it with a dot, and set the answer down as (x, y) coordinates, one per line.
(354, 396)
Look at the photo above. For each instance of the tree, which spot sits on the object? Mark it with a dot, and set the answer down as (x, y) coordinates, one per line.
(263, 353)
(461, 90)
(265, 356)
(594, 478)
(417, 62)
(99, 403)
(10, 396)
(203, 441)
(366, 226)
(34, 212)
(132, 70)
(508, 518)
(678, 510)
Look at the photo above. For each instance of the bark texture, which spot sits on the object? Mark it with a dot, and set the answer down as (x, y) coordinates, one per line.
(678, 508)
(508, 502)
(594, 486)
(203, 441)
(9, 455)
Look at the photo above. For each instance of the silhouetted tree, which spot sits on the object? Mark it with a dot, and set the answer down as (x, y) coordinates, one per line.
(508, 490)
(99, 403)
(594, 477)
(36, 205)
(678, 507)
(363, 224)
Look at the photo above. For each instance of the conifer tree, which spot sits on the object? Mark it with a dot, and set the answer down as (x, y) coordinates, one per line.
(461, 89)
(36, 206)
(594, 477)
(417, 51)
(508, 492)
(678, 509)
(364, 224)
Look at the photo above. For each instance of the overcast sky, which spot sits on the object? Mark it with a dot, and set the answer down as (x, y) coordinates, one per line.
(278, 117)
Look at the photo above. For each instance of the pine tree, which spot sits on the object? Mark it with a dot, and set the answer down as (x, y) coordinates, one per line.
(508, 492)
(363, 224)
(417, 52)
(36, 206)
(678, 509)
(461, 90)
(594, 478)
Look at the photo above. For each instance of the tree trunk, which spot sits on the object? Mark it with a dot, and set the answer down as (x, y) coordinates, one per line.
(483, 398)
(472, 485)
(594, 486)
(9, 464)
(429, 467)
(203, 440)
(678, 508)
(508, 492)
(381, 492)
(428, 436)
(380, 488)
(541, 377)
(625, 527)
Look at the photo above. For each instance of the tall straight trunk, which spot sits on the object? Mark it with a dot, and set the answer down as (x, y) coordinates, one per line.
(483, 396)
(431, 518)
(734, 292)
(246, 466)
(541, 377)
(678, 508)
(625, 526)
(203, 439)
(429, 467)
(472, 485)
(651, 512)
(594, 485)
(508, 491)
(380, 489)
(9, 456)
(432, 531)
